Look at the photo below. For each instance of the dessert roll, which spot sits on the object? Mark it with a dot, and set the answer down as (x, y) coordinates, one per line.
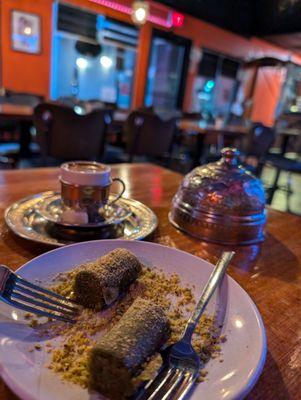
(119, 354)
(100, 282)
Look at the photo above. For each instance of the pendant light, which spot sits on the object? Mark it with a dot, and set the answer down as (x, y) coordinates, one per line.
(140, 12)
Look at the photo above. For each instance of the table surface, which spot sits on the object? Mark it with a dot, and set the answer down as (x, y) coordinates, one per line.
(19, 111)
(199, 127)
(16, 111)
(270, 273)
(289, 131)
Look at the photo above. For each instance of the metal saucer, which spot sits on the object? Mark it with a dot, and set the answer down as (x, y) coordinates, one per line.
(25, 221)
(51, 209)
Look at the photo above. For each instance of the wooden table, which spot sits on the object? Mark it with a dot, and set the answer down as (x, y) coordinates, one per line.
(197, 126)
(16, 112)
(270, 273)
(219, 133)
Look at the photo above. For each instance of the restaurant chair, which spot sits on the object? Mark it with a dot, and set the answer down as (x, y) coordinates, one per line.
(65, 135)
(149, 136)
(146, 109)
(282, 164)
(262, 139)
(196, 116)
(259, 143)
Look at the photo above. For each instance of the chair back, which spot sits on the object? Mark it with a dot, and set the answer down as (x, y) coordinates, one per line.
(65, 135)
(260, 141)
(148, 135)
(196, 116)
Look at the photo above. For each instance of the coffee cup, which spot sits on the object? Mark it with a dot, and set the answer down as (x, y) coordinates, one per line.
(85, 189)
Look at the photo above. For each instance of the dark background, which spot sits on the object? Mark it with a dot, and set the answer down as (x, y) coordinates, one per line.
(247, 17)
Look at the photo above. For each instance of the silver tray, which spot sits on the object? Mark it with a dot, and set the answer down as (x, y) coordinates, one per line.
(24, 220)
(51, 208)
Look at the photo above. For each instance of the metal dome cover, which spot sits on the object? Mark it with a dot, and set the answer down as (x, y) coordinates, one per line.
(221, 202)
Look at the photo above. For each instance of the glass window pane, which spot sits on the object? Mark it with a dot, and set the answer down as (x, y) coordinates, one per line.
(106, 75)
(164, 74)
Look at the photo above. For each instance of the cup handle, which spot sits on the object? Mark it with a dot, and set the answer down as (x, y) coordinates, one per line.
(120, 194)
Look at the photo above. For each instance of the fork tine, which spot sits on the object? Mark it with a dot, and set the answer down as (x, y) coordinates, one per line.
(174, 384)
(43, 290)
(38, 303)
(153, 386)
(46, 298)
(184, 388)
(34, 310)
(162, 382)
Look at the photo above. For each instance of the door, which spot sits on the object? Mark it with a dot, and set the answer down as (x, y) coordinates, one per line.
(167, 71)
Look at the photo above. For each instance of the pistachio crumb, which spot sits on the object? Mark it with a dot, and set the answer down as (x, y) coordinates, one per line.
(70, 358)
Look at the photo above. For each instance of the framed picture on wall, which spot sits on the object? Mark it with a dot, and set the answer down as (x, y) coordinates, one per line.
(25, 32)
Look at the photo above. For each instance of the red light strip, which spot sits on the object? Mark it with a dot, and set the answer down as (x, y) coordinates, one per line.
(128, 10)
(159, 21)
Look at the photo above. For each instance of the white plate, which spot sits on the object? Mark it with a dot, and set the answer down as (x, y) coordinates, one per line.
(243, 353)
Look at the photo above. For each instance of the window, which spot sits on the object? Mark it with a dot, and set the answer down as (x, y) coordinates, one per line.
(93, 57)
(215, 86)
(167, 71)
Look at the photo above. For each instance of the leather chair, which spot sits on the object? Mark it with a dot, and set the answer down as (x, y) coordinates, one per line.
(65, 135)
(259, 143)
(148, 135)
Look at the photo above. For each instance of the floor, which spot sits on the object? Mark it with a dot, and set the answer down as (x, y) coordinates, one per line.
(279, 200)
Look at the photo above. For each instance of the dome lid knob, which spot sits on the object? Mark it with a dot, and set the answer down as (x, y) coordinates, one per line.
(230, 156)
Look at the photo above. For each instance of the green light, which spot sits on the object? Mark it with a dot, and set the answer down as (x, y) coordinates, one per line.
(209, 85)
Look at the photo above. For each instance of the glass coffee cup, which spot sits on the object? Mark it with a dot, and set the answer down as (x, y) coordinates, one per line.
(85, 190)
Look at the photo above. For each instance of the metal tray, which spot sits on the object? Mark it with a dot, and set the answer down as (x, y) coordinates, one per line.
(51, 209)
(23, 218)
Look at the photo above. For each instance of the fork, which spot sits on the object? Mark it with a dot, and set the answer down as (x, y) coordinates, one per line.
(27, 296)
(181, 364)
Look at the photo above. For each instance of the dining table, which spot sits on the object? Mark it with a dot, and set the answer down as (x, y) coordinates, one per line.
(212, 133)
(269, 272)
(16, 111)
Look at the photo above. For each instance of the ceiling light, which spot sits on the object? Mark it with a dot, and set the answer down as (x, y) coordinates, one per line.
(106, 62)
(140, 12)
(81, 63)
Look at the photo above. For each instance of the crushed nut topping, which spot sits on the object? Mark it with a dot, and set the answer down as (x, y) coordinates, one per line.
(69, 356)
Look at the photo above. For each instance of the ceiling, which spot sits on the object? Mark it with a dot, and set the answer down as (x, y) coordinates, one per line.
(290, 41)
(246, 17)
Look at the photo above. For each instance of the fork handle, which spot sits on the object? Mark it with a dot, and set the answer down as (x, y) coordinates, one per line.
(214, 280)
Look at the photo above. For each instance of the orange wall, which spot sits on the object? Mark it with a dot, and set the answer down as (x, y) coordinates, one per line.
(31, 73)
(20, 71)
(267, 93)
